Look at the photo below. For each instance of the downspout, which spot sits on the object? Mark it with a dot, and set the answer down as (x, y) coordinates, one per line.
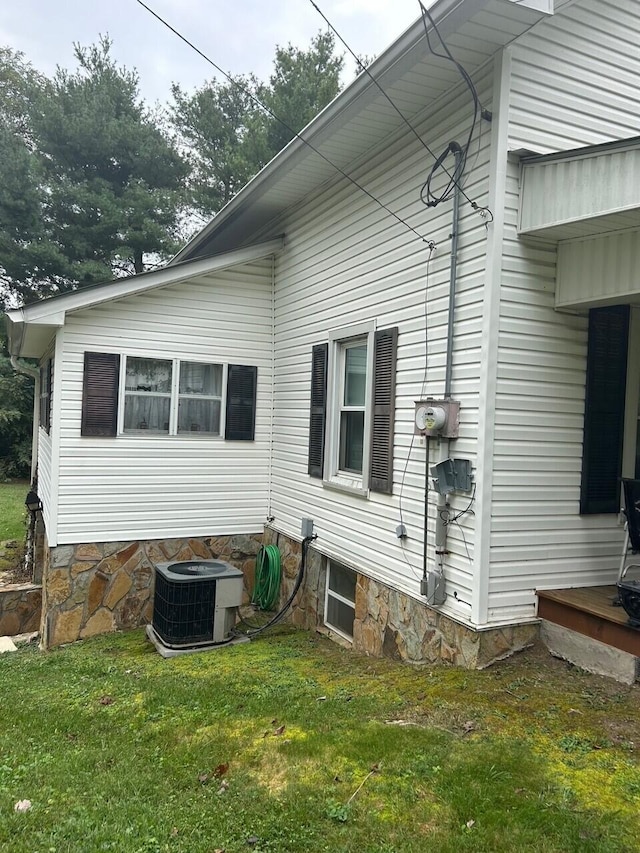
(437, 594)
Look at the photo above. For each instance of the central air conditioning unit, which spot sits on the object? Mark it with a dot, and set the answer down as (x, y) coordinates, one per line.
(194, 605)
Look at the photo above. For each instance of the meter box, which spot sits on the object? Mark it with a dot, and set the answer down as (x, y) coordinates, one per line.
(437, 418)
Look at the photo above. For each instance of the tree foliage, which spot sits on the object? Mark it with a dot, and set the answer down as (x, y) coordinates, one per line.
(16, 409)
(103, 179)
(230, 137)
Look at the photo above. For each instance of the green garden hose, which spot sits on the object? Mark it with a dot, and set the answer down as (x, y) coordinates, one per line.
(268, 576)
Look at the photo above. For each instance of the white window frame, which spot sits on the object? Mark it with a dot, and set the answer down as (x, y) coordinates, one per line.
(330, 593)
(174, 398)
(339, 341)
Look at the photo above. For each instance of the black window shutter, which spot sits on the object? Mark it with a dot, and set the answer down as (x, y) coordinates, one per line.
(318, 416)
(100, 393)
(604, 409)
(385, 351)
(49, 395)
(240, 423)
(46, 373)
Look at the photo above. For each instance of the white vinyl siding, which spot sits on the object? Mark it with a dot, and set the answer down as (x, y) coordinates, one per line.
(348, 262)
(138, 486)
(538, 537)
(571, 86)
(575, 77)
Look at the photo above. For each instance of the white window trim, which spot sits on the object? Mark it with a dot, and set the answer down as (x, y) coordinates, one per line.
(333, 477)
(333, 594)
(175, 399)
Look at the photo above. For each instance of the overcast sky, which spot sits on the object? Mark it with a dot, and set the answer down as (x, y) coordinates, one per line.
(239, 35)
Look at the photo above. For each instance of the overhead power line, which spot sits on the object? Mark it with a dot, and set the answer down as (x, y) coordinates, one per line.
(277, 118)
(453, 178)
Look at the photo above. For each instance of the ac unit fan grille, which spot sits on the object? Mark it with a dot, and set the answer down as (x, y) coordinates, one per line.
(183, 613)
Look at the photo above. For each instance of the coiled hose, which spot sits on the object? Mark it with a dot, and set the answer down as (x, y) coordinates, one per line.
(268, 576)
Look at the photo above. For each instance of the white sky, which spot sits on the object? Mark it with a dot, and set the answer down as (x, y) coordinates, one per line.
(240, 35)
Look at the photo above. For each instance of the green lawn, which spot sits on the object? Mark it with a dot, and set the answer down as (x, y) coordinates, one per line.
(12, 511)
(120, 750)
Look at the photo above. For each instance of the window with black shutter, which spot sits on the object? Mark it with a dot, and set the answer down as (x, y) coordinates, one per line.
(240, 422)
(155, 404)
(604, 409)
(352, 410)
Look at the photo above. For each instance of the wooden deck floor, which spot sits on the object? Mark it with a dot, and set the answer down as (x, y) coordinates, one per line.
(589, 611)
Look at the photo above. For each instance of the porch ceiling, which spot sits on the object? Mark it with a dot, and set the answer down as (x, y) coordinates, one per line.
(583, 193)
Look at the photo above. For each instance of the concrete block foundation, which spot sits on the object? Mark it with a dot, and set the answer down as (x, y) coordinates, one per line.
(589, 654)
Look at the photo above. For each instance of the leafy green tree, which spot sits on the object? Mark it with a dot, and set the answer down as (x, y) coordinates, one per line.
(98, 183)
(115, 178)
(303, 83)
(214, 125)
(229, 137)
(16, 411)
(21, 190)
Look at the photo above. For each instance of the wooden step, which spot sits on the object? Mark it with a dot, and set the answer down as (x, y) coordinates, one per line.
(589, 611)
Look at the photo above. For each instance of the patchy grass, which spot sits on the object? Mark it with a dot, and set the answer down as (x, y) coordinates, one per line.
(13, 527)
(263, 746)
(12, 511)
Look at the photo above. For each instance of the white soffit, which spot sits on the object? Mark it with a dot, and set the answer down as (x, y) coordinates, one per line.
(581, 193)
(359, 120)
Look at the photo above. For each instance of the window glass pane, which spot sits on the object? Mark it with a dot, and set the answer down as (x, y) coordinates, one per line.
(355, 375)
(351, 441)
(148, 374)
(340, 615)
(342, 581)
(198, 378)
(196, 415)
(146, 411)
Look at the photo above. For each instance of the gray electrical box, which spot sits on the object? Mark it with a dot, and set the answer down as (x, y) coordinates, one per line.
(433, 588)
(452, 475)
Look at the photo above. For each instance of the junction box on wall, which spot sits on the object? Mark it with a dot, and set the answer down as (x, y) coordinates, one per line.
(437, 418)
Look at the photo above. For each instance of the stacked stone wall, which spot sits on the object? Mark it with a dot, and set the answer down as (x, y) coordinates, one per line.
(20, 608)
(93, 589)
(389, 623)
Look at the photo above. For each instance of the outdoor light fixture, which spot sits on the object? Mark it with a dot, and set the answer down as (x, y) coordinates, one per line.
(33, 502)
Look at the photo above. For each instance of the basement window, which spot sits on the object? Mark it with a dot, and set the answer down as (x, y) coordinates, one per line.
(340, 600)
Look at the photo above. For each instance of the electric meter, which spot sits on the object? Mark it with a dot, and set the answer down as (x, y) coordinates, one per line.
(437, 418)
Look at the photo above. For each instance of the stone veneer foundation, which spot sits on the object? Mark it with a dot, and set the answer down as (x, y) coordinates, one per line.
(97, 588)
(389, 623)
(93, 589)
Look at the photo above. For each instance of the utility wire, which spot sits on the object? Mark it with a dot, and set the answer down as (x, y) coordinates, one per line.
(277, 118)
(453, 179)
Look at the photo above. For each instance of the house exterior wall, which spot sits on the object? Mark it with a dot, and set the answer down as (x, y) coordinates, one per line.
(570, 87)
(136, 486)
(348, 262)
(575, 77)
